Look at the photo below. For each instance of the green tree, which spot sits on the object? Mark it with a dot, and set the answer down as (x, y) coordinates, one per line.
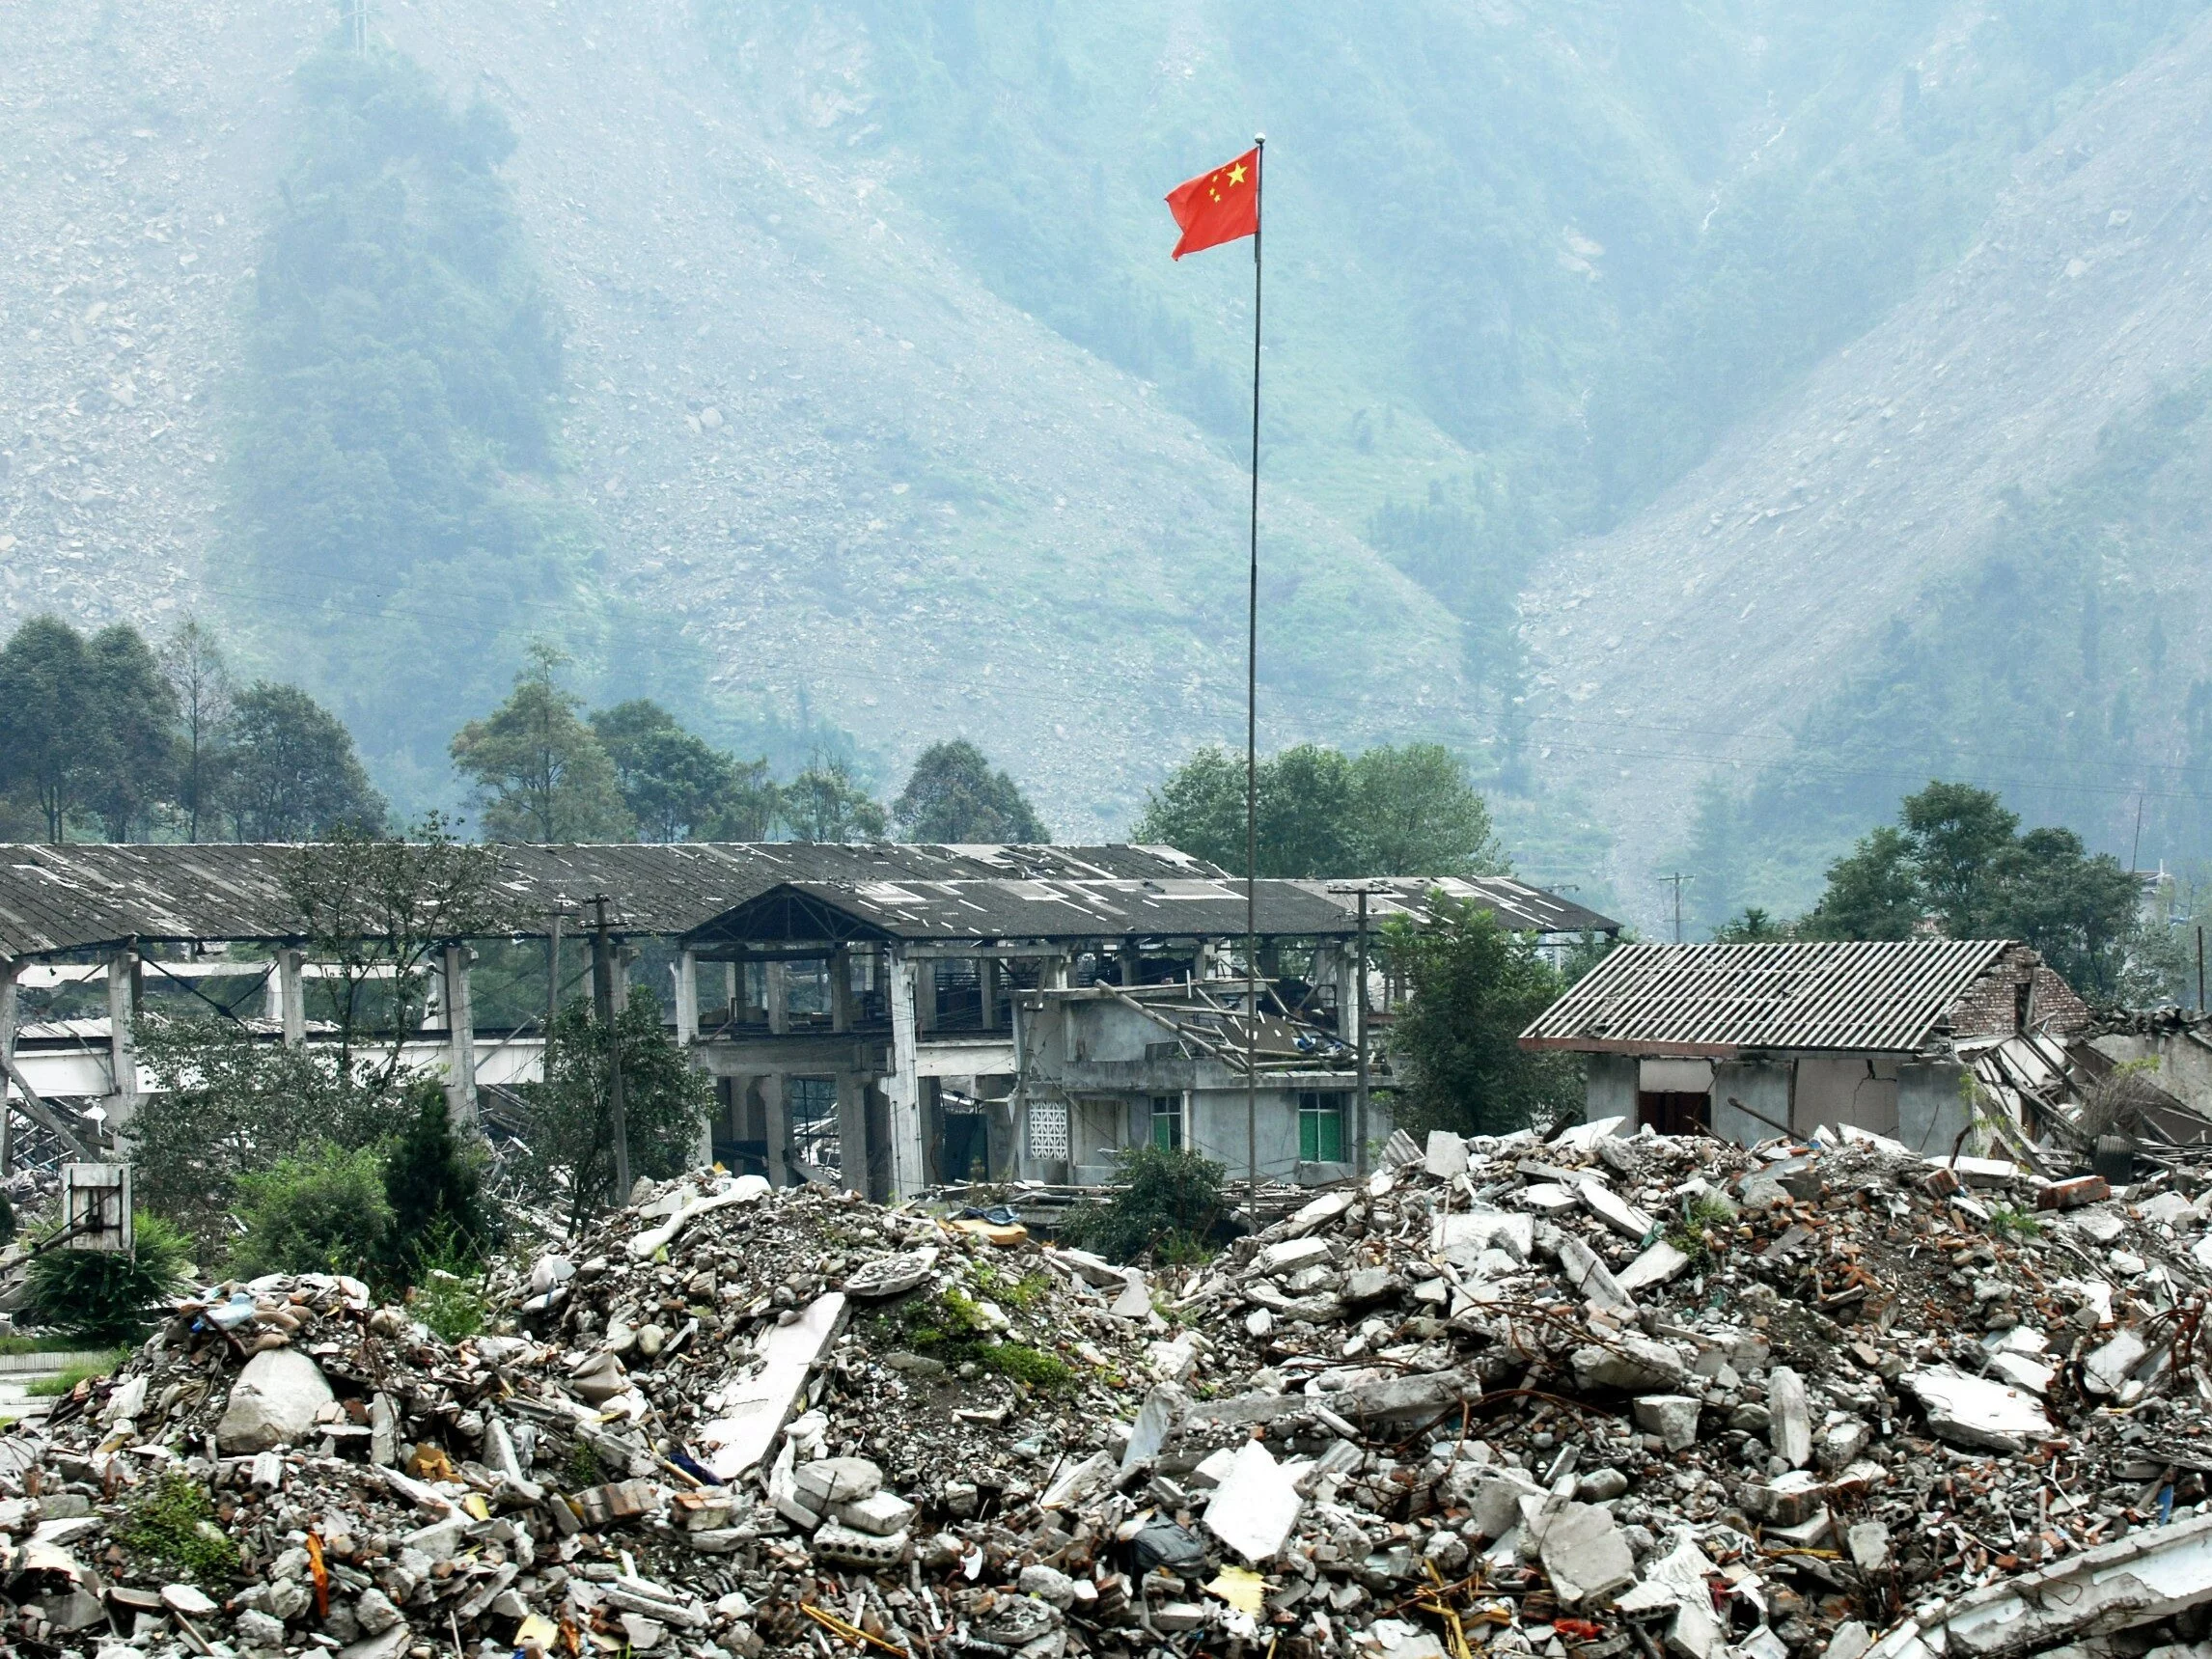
(433, 1187)
(1417, 815)
(228, 1105)
(134, 747)
(1957, 865)
(570, 1138)
(193, 661)
(540, 773)
(1753, 926)
(1473, 988)
(953, 795)
(318, 1210)
(49, 717)
(826, 803)
(677, 785)
(290, 770)
(1306, 812)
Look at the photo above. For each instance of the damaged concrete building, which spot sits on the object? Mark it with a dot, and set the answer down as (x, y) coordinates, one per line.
(1750, 1041)
(884, 1016)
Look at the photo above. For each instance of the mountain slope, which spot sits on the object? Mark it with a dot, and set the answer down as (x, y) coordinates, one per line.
(1700, 635)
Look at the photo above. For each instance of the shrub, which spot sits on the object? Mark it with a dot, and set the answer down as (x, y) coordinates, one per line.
(106, 1296)
(432, 1189)
(171, 1521)
(1168, 1205)
(448, 1293)
(321, 1212)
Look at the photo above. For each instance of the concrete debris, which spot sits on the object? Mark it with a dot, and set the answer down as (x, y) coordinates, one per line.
(1789, 1416)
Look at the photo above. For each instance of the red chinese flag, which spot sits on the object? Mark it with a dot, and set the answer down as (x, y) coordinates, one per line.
(1218, 207)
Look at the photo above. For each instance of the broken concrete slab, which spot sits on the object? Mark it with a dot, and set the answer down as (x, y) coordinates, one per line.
(1790, 1431)
(754, 1412)
(1253, 1510)
(1446, 1155)
(1615, 1211)
(2107, 1368)
(1587, 1274)
(1976, 1412)
(1584, 1555)
(1869, 1545)
(1659, 1265)
(1673, 1416)
(1633, 1362)
(1462, 1238)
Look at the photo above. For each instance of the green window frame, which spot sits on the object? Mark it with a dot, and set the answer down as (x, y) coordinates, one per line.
(1321, 1127)
(1168, 1122)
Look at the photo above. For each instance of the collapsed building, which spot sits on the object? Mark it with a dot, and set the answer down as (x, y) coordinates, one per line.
(880, 1016)
(1920, 1040)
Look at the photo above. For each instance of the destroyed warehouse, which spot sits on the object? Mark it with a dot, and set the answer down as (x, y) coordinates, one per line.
(885, 1016)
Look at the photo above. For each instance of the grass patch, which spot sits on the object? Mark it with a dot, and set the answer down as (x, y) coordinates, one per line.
(54, 1387)
(48, 1344)
(1024, 1292)
(950, 1326)
(1699, 1218)
(2009, 1221)
(172, 1520)
(583, 1468)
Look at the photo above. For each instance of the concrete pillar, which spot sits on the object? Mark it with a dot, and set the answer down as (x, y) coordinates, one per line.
(123, 1052)
(1132, 963)
(285, 1002)
(688, 999)
(775, 983)
(460, 1037)
(733, 987)
(853, 1132)
(1609, 1088)
(902, 1086)
(987, 981)
(779, 1128)
(840, 989)
(922, 979)
(8, 1008)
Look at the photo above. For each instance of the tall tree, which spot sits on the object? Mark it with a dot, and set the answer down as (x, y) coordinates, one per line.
(194, 665)
(541, 772)
(1418, 815)
(47, 718)
(678, 785)
(1474, 987)
(134, 745)
(953, 795)
(826, 803)
(1956, 865)
(292, 774)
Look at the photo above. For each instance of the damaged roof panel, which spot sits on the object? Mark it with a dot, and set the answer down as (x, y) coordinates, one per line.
(1868, 996)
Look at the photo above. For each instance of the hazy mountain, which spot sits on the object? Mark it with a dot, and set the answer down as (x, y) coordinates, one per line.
(875, 400)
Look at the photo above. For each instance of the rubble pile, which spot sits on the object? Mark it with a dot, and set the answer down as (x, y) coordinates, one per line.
(1606, 1397)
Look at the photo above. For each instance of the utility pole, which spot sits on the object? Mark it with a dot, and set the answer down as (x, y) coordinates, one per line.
(1359, 1013)
(603, 1000)
(1677, 879)
(552, 972)
(2199, 970)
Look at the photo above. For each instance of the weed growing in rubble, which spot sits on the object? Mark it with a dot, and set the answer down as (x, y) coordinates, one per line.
(1689, 1235)
(54, 1387)
(449, 1294)
(583, 1468)
(172, 1520)
(1168, 1203)
(1033, 1368)
(2006, 1221)
(1023, 1293)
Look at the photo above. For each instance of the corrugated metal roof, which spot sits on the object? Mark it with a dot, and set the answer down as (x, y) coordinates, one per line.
(1870, 996)
(1041, 908)
(80, 895)
(1520, 907)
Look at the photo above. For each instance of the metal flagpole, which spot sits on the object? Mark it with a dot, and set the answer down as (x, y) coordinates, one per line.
(1252, 732)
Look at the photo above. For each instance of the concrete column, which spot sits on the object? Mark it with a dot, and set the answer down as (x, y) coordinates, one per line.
(922, 980)
(123, 1052)
(902, 1086)
(688, 999)
(778, 1126)
(1132, 963)
(8, 1008)
(853, 1132)
(840, 989)
(460, 1037)
(775, 982)
(287, 1006)
(733, 987)
(987, 981)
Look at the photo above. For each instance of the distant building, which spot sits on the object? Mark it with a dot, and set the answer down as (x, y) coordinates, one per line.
(1751, 1041)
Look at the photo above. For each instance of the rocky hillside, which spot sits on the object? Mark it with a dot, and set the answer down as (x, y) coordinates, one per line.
(1699, 637)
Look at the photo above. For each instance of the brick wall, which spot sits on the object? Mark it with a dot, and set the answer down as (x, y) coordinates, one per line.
(1990, 1006)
